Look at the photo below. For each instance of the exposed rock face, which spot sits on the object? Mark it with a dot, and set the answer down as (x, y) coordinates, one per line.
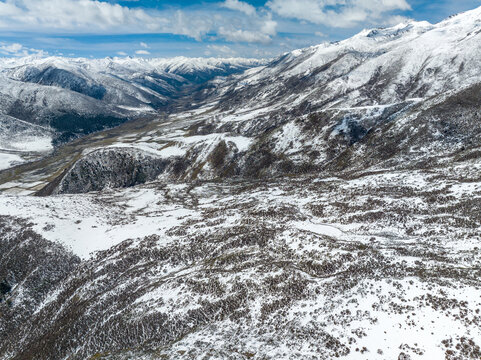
(110, 168)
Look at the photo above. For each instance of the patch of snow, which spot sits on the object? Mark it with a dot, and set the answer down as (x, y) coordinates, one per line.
(9, 160)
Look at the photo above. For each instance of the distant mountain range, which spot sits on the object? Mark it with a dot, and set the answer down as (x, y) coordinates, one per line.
(58, 99)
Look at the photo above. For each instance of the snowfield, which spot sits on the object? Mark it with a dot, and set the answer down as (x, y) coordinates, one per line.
(9, 160)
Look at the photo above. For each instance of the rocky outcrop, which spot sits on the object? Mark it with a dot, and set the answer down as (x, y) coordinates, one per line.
(110, 168)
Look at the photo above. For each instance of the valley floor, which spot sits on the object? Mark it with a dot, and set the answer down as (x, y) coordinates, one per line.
(384, 266)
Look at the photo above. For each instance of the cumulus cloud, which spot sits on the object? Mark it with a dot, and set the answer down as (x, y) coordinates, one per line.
(12, 48)
(269, 26)
(73, 15)
(241, 6)
(395, 19)
(16, 49)
(337, 13)
(142, 52)
(261, 30)
(144, 45)
(92, 16)
(239, 35)
(191, 24)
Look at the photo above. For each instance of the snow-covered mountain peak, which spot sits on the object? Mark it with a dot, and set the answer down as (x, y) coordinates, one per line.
(404, 29)
(189, 65)
(173, 65)
(378, 66)
(466, 17)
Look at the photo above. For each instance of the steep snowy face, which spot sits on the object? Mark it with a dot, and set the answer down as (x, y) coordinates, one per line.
(380, 66)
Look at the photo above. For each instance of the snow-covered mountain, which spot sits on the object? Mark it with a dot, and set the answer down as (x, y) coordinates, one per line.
(68, 97)
(358, 85)
(374, 99)
(376, 67)
(118, 86)
(392, 97)
(323, 205)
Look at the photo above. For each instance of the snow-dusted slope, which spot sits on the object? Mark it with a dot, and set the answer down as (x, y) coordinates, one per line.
(381, 66)
(368, 268)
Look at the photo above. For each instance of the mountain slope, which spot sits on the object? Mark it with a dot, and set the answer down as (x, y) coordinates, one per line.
(374, 99)
(305, 268)
(382, 66)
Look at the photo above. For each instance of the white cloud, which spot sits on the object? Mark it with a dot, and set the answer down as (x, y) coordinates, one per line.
(337, 13)
(92, 16)
(12, 48)
(144, 45)
(194, 25)
(261, 30)
(142, 52)
(16, 49)
(97, 17)
(269, 26)
(122, 53)
(73, 14)
(238, 35)
(394, 20)
(241, 6)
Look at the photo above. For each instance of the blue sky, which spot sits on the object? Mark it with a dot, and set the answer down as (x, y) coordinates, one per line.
(219, 28)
